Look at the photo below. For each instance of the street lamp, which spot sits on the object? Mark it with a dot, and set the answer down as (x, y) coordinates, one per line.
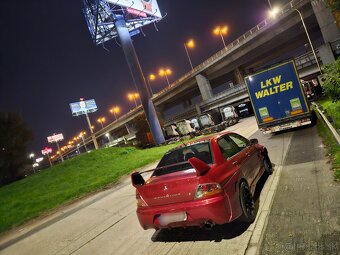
(164, 73)
(221, 31)
(150, 78)
(190, 44)
(115, 110)
(133, 97)
(81, 135)
(101, 120)
(273, 14)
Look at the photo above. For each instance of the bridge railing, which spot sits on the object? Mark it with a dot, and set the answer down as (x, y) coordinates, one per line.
(235, 44)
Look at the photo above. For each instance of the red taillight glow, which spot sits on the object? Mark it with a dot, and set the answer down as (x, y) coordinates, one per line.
(140, 201)
(207, 190)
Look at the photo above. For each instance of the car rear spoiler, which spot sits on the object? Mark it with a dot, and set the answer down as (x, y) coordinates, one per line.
(200, 167)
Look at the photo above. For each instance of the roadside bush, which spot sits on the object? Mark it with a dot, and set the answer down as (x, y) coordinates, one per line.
(331, 84)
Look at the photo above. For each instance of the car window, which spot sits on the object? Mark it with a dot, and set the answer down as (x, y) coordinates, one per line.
(228, 147)
(183, 154)
(239, 140)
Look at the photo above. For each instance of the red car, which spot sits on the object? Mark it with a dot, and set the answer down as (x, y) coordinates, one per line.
(209, 181)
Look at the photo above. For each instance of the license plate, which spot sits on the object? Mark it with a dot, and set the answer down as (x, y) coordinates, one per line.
(167, 218)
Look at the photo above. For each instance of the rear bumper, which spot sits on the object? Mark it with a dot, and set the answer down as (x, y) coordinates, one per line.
(216, 210)
(285, 126)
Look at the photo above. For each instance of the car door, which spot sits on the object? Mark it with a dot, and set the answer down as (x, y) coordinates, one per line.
(233, 158)
(251, 161)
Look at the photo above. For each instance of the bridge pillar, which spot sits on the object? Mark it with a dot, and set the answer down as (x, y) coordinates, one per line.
(238, 76)
(204, 87)
(326, 20)
(326, 54)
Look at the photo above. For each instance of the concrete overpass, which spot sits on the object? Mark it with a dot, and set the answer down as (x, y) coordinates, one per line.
(218, 81)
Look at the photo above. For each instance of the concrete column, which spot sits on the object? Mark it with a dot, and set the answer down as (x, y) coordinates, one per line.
(204, 87)
(326, 20)
(238, 76)
(326, 54)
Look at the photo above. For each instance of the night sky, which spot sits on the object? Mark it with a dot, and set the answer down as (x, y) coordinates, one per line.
(48, 59)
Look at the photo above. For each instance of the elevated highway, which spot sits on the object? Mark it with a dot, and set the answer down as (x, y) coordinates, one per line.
(218, 81)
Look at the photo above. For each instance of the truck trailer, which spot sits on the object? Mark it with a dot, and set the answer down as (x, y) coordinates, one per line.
(278, 99)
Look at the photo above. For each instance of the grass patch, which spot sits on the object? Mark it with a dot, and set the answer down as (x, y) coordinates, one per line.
(30, 197)
(333, 149)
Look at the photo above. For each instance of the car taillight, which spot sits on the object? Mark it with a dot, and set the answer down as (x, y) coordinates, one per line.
(207, 190)
(140, 201)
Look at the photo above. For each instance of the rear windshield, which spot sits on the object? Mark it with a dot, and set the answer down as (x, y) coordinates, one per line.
(183, 154)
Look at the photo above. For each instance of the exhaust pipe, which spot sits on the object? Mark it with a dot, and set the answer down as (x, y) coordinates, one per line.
(208, 225)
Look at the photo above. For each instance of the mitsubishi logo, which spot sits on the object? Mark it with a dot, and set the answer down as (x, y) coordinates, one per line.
(165, 188)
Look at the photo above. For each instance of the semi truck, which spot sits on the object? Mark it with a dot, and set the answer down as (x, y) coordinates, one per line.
(278, 99)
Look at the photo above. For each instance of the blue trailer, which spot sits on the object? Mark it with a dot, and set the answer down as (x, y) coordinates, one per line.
(278, 99)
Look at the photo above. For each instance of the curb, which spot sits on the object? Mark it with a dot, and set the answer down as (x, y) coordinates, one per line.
(262, 219)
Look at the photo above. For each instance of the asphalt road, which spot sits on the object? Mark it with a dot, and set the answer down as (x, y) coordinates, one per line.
(106, 222)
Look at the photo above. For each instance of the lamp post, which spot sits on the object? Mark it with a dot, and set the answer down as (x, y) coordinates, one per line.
(150, 78)
(115, 110)
(81, 135)
(164, 73)
(309, 40)
(101, 120)
(221, 31)
(190, 44)
(133, 97)
(273, 14)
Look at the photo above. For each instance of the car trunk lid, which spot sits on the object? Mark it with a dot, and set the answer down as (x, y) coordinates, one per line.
(170, 188)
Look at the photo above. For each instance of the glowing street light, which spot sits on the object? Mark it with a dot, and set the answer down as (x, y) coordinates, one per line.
(273, 14)
(221, 31)
(115, 110)
(81, 135)
(133, 97)
(150, 78)
(190, 44)
(101, 120)
(164, 73)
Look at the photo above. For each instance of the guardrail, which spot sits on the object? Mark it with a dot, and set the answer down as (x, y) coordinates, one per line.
(329, 125)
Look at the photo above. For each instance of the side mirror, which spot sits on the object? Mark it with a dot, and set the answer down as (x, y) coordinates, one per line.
(254, 141)
(200, 166)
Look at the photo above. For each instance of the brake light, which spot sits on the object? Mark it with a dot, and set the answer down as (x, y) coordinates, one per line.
(207, 190)
(140, 200)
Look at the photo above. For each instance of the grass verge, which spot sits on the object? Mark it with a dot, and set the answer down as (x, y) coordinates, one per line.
(333, 149)
(36, 194)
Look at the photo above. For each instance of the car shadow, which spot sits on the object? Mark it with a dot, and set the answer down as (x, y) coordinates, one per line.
(216, 233)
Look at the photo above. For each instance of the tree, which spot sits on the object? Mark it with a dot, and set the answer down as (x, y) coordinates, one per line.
(14, 137)
(331, 83)
(335, 5)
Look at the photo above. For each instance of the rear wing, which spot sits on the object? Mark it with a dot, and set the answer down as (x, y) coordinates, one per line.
(200, 166)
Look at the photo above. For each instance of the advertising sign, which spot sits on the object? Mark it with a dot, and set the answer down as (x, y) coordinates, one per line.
(143, 6)
(55, 138)
(83, 107)
(276, 93)
(46, 151)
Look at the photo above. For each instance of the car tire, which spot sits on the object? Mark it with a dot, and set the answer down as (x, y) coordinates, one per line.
(247, 203)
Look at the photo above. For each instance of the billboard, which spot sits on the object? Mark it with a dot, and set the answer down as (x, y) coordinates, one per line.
(55, 138)
(83, 107)
(143, 6)
(46, 151)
